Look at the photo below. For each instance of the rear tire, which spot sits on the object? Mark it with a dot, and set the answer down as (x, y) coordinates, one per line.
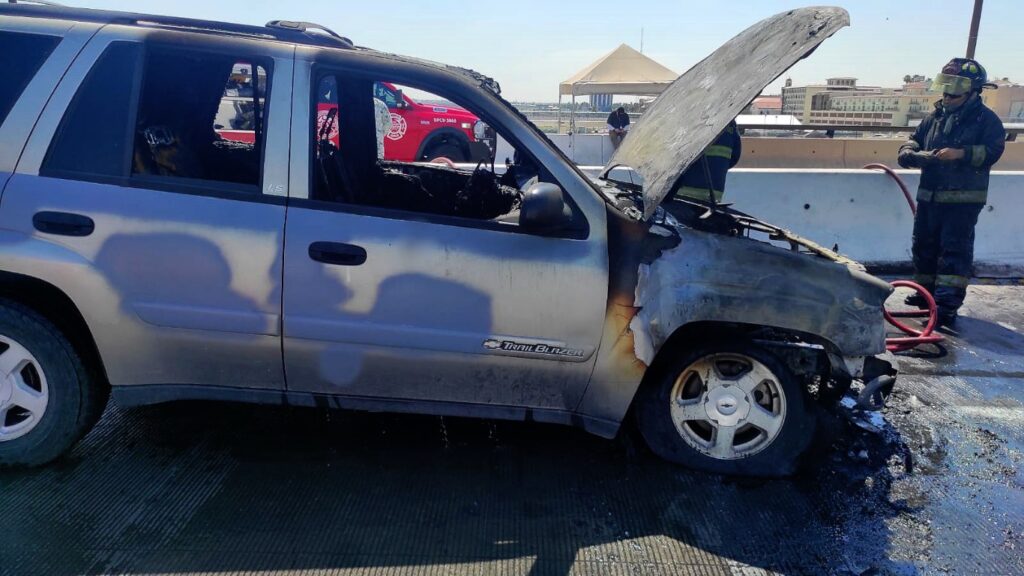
(728, 408)
(48, 400)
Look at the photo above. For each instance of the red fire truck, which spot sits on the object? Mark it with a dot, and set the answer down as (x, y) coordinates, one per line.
(419, 131)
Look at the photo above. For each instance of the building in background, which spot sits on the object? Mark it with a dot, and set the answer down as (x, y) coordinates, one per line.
(842, 102)
(770, 105)
(904, 106)
(799, 101)
(1007, 101)
(601, 102)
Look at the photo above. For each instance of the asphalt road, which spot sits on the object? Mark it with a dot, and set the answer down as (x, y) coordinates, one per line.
(933, 486)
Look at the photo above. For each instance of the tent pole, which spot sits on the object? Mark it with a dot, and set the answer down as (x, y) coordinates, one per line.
(572, 112)
(572, 126)
(559, 131)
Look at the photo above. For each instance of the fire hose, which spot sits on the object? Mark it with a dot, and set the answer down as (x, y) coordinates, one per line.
(914, 337)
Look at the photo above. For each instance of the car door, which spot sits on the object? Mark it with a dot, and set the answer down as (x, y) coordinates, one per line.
(166, 236)
(386, 303)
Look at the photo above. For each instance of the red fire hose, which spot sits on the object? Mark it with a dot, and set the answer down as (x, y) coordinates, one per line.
(914, 337)
(899, 182)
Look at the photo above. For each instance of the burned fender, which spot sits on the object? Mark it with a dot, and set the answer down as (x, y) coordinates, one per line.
(710, 277)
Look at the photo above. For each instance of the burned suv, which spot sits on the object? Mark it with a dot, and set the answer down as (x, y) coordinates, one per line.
(147, 255)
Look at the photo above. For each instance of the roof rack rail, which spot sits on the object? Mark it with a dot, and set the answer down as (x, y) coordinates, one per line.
(43, 2)
(287, 32)
(304, 27)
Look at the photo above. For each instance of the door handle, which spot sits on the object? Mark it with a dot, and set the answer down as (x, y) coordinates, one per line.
(63, 223)
(337, 253)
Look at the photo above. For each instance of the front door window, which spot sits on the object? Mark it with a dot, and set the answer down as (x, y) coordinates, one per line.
(368, 155)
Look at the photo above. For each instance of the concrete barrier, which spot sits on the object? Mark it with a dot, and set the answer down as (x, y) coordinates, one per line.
(585, 149)
(841, 153)
(866, 216)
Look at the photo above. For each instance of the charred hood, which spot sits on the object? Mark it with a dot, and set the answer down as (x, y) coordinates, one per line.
(691, 113)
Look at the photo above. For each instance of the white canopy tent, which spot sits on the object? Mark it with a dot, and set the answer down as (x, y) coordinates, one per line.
(623, 71)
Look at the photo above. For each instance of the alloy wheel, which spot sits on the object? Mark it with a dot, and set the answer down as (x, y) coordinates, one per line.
(24, 394)
(728, 406)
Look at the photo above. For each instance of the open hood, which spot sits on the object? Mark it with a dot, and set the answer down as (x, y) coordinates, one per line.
(690, 114)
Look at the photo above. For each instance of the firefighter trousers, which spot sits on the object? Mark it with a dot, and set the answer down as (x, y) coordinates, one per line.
(944, 250)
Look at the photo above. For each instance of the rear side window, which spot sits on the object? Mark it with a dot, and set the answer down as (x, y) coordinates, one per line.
(21, 55)
(93, 136)
(166, 118)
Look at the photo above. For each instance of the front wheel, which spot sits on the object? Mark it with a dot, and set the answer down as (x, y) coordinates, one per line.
(727, 408)
(445, 150)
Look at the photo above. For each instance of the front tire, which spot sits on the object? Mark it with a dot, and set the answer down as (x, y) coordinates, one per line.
(48, 400)
(445, 150)
(727, 408)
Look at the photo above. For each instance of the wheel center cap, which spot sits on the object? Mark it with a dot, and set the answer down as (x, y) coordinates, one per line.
(727, 405)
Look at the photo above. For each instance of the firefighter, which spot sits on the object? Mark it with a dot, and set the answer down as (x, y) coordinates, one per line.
(715, 163)
(955, 147)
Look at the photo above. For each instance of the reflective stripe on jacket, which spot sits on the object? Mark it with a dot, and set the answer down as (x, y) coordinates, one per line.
(721, 155)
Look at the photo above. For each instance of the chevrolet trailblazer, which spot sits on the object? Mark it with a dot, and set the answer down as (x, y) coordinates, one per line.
(146, 255)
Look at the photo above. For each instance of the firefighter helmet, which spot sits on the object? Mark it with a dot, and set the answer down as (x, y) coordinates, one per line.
(961, 76)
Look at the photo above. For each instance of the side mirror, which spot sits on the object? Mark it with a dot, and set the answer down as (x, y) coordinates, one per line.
(544, 208)
(400, 100)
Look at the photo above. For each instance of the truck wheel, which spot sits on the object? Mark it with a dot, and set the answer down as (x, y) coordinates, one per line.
(47, 398)
(445, 150)
(730, 408)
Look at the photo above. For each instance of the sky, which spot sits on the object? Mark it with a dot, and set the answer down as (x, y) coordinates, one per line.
(529, 46)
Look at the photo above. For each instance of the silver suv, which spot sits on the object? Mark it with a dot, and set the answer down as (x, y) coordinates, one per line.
(149, 251)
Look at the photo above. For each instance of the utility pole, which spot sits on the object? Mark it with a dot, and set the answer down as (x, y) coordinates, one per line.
(641, 39)
(972, 40)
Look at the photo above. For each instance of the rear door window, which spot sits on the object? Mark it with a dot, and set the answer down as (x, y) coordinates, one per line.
(21, 55)
(164, 118)
(201, 118)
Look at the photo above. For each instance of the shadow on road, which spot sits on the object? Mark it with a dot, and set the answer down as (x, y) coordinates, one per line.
(210, 487)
